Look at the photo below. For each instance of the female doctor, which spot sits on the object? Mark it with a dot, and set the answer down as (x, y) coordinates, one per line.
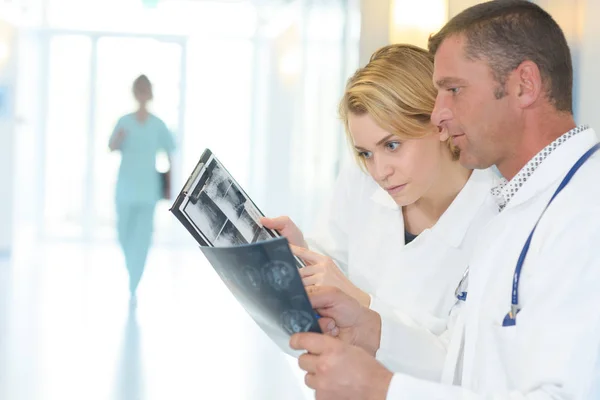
(402, 222)
(139, 136)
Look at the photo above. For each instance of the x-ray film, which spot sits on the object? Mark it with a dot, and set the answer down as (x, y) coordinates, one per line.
(217, 211)
(264, 279)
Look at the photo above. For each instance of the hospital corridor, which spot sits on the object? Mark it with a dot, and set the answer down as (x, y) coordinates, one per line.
(106, 107)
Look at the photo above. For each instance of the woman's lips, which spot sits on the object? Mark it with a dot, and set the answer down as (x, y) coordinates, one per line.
(394, 189)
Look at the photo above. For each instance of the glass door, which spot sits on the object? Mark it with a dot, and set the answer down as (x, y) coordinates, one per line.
(89, 89)
(119, 61)
(66, 134)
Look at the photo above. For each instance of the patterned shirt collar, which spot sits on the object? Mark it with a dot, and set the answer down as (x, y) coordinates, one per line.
(506, 190)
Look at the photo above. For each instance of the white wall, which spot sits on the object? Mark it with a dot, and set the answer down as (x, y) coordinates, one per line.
(7, 127)
(375, 24)
(569, 15)
(589, 60)
(375, 28)
(456, 6)
(579, 21)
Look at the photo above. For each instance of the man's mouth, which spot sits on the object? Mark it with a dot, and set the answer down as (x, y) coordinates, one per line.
(456, 138)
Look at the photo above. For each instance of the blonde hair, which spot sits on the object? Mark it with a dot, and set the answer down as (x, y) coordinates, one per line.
(396, 89)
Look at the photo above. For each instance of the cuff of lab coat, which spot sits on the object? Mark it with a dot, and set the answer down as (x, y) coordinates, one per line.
(386, 330)
(406, 387)
(399, 388)
(406, 347)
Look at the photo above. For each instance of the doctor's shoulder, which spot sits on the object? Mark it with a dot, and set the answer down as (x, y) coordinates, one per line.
(354, 182)
(485, 181)
(483, 206)
(126, 121)
(488, 178)
(580, 197)
(121, 121)
(157, 120)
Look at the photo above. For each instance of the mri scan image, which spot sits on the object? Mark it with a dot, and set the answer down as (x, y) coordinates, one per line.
(279, 274)
(295, 321)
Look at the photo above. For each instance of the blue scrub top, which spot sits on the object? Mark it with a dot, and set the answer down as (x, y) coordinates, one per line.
(138, 181)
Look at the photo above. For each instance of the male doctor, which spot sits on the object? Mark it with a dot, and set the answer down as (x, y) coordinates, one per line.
(530, 325)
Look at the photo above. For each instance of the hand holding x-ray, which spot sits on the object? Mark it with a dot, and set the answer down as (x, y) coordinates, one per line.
(343, 317)
(286, 228)
(322, 271)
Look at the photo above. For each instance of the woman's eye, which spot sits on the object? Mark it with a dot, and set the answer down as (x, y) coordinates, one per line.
(365, 154)
(454, 90)
(392, 145)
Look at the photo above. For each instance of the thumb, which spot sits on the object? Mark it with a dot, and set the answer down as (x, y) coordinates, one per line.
(278, 223)
(323, 298)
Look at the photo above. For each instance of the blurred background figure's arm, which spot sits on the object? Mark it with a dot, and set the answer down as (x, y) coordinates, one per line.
(116, 139)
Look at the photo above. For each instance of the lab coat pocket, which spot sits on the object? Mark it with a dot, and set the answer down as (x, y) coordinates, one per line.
(504, 354)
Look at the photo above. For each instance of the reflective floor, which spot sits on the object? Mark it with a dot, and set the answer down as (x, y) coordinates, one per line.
(67, 330)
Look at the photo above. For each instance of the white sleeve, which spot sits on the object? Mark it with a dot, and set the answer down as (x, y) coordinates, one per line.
(557, 336)
(330, 235)
(409, 346)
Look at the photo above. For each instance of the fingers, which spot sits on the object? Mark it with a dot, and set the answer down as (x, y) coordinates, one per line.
(310, 380)
(310, 270)
(329, 327)
(314, 343)
(308, 362)
(309, 256)
(278, 223)
(311, 280)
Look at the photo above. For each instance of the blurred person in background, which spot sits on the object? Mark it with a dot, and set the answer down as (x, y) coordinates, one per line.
(139, 136)
(403, 219)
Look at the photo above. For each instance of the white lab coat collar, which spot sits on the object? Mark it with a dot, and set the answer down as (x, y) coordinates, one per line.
(555, 167)
(381, 197)
(455, 221)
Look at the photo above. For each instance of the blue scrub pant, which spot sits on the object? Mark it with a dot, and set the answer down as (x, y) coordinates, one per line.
(134, 225)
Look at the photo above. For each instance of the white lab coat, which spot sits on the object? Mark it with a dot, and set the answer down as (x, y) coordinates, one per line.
(363, 231)
(552, 352)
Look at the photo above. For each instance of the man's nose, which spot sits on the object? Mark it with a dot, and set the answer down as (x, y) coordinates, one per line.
(441, 112)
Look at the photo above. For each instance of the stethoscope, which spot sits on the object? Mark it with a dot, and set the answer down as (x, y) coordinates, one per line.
(511, 317)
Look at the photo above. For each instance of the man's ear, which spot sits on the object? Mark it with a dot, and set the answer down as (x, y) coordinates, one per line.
(527, 83)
